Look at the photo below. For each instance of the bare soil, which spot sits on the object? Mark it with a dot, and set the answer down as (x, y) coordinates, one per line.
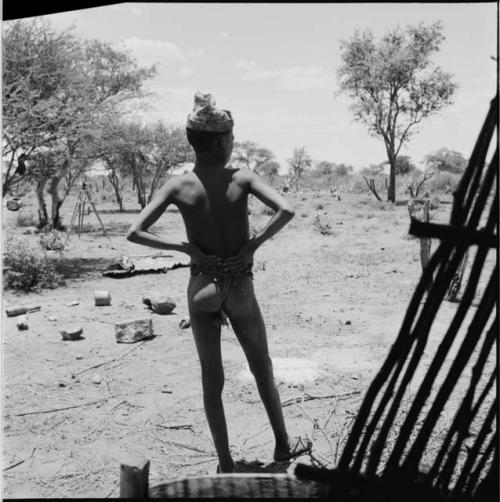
(333, 305)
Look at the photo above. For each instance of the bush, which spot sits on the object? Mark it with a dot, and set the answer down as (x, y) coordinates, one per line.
(24, 219)
(445, 182)
(29, 269)
(321, 226)
(52, 240)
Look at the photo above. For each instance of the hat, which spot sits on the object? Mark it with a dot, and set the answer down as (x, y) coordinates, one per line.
(207, 117)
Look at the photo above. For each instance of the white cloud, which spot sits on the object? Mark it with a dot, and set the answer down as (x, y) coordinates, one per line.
(186, 71)
(225, 35)
(196, 52)
(245, 64)
(154, 51)
(295, 78)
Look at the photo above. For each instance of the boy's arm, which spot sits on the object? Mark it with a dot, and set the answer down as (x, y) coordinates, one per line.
(284, 213)
(139, 233)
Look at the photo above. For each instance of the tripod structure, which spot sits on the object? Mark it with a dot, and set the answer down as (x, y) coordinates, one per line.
(79, 212)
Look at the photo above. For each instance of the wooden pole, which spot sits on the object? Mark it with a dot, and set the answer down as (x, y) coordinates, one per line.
(134, 478)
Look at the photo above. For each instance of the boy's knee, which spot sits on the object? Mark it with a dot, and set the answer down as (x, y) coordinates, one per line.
(261, 368)
(213, 384)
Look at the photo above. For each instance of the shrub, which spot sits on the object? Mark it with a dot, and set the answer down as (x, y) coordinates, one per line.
(321, 226)
(24, 219)
(444, 182)
(29, 268)
(52, 240)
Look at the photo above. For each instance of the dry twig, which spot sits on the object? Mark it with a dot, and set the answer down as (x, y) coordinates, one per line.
(309, 397)
(73, 375)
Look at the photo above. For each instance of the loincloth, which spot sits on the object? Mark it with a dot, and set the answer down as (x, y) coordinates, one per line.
(211, 286)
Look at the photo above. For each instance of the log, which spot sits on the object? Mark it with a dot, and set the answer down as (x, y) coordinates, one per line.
(19, 310)
(134, 478)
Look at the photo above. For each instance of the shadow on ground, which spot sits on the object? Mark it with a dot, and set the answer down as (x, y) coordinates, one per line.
(75, 268)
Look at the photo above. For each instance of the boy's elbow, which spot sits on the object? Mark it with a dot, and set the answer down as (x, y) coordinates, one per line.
(289, 212)
(131, 235)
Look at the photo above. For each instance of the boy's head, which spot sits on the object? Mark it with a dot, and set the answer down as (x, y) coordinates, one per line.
(209, 129)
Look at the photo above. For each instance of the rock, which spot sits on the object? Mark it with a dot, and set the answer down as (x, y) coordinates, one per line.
(72, 304)
(52, 318)
(158, 302)
(13, 205)
(79, 357)
(102, 298)
(133, 330)
(22, 323)
(71, 332)
(348, 322)
(185, 323)
(97, 379)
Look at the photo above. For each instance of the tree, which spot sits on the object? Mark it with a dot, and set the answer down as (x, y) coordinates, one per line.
(252, 156)
(404, 165)
(270, 170)
(446, 160)
(298, 163)
(145, 153)
(58, 93)
(394, 85)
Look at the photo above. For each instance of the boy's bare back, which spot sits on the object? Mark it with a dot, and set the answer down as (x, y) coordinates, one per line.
(214, 207)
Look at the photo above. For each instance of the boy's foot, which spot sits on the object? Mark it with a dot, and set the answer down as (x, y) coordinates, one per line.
(296, 446)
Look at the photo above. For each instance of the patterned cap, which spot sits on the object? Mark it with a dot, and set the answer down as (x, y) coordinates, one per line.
(207, 117)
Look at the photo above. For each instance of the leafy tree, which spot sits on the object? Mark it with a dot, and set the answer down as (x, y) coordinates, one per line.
(270, 170)
(324, 168)
(144, 153)
(250, 155)
(58, 93)
(298, 163)
(404, 165)
(394, 85)
(446, 160)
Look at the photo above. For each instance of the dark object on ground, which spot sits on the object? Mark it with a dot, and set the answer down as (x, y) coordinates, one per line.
(71, 333)
(18, 310)
(128, 267)
(158, 302)
(185, 323)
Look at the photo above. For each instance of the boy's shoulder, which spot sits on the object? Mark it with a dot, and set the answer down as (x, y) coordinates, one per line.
(243, 175)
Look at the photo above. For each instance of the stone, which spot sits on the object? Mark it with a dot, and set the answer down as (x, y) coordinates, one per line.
(71, 332)
(22, 323)
(102, 298)
(158, 302)
(184, 324)
(133, 330)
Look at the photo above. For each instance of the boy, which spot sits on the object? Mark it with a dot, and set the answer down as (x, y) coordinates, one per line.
(212, 200)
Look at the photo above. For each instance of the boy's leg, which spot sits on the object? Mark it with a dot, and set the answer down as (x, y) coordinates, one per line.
(246, 319)
(206, 333)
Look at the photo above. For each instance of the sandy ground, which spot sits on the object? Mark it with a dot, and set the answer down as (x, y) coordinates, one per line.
(333, 305)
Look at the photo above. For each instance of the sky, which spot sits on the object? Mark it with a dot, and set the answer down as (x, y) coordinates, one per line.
(274, 66)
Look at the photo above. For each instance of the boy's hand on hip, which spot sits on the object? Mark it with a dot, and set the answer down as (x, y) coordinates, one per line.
(199, 257)
(243, 259)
